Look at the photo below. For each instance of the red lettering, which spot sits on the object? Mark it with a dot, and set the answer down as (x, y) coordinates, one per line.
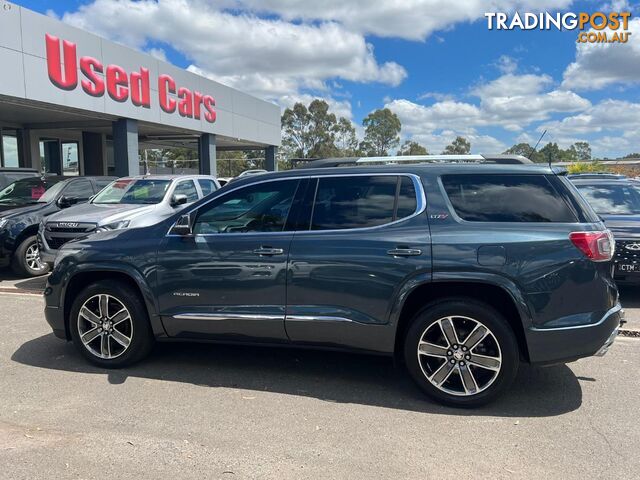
(209, 103)
(117, 83)
(185, 107)
(140, 90)
(94, 85)
(197, 101)
(54, 63)
(167, 85)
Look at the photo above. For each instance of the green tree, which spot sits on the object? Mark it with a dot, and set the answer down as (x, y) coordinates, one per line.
(582, 151)
(460, 146)
(322, 130)
(381, 132)
(296, 125)
(345, 138)
(409, 147)
(632, 155)
(526, 151)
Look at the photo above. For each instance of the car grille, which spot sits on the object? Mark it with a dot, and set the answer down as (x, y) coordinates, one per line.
(57, 234)
(625, 251)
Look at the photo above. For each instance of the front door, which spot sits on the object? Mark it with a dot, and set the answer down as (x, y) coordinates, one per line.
(228, 279)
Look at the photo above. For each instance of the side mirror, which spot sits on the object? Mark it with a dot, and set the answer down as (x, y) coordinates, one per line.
(178, 199)
(183, 226)
(65, 202)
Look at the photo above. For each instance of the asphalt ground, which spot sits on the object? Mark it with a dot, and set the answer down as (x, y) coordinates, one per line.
(208, 411)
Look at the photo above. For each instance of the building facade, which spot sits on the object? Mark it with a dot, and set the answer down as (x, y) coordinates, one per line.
(72, 102)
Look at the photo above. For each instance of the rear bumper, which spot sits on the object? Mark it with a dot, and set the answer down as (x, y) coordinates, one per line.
(566, 344)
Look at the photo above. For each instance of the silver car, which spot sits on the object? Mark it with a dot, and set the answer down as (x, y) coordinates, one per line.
(125, 203)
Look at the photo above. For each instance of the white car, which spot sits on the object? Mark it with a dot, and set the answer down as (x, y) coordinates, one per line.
(125, 203)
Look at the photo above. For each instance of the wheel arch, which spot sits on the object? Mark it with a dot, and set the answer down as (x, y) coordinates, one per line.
(495, 294)
(129, 277)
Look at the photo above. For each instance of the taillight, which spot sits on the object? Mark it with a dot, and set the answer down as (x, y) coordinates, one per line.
(597, 246)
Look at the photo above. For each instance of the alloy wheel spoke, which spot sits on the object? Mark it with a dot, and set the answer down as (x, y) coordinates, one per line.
(105, 347)
(476, 336)
(426, 348)
(121, 338)
(103, 307)
(89, 316)
(90, 335)
(482, 361)
(443, 373)
(446, 324)
(120, 317)
(468, 380)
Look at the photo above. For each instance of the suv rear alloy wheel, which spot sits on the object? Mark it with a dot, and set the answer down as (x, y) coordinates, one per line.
(110, 326)
(26, 259)
(461, 352)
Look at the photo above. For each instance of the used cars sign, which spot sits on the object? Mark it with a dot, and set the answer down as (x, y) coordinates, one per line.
(121, 86)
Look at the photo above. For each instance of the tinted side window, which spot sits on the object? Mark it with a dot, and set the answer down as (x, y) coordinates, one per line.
(256, 208)
(81, 189)
(407, 203)
(506, 198)
(188, 188)
(354, 202)
(102, 182)
(207, 186)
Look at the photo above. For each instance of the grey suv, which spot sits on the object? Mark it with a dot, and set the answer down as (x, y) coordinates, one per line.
(461, 270)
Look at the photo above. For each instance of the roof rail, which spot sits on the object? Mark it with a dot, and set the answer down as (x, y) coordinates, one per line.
(597, 175)
(355, 161)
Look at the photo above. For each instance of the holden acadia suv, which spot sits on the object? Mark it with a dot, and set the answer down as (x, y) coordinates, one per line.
(461, 270)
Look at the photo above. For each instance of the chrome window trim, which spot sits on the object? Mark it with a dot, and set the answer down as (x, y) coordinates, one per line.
(226, 316)
(315, 318)
(421, 203)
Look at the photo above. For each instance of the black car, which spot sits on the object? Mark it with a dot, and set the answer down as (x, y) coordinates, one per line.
(25, 203)
(616, 199)
(461, 270)
(11, 174)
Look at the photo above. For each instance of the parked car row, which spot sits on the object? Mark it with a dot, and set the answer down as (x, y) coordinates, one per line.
(40, 214)
(461, 271)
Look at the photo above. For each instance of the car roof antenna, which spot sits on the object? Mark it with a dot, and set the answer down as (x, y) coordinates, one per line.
(535, 148)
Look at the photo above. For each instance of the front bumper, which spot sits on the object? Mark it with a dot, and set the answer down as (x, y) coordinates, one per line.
(55, 319)
(566, 344)
(47, 255)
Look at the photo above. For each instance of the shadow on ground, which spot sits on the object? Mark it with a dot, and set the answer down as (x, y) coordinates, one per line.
(329, 376)
(8, 279)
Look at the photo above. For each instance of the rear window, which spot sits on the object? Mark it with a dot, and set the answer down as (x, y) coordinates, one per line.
(506, 198)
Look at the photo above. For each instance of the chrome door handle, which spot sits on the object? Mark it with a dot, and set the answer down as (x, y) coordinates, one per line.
(268, 251)
(404, 252)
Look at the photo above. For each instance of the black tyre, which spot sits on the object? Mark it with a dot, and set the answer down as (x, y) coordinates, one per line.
(461, 352)
(110, 326)
(26, 260)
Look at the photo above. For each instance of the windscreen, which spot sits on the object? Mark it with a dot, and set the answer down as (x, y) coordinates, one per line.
(612, 199)
(129, 191)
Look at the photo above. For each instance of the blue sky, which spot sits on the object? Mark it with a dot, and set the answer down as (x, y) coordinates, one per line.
(433, 62)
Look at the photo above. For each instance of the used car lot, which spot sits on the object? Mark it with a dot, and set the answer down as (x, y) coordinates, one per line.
(205, 411)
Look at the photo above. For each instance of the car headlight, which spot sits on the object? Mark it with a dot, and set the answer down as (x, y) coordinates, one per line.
(64, 253)
(113, 226)
(3, 222)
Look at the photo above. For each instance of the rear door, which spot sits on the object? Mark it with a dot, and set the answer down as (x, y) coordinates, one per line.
(365, 236)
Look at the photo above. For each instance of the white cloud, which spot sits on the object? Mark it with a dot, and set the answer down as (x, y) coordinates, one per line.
(158, 53)
(409, 19)
(263, 56)
(598, 65)
(506, 64)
